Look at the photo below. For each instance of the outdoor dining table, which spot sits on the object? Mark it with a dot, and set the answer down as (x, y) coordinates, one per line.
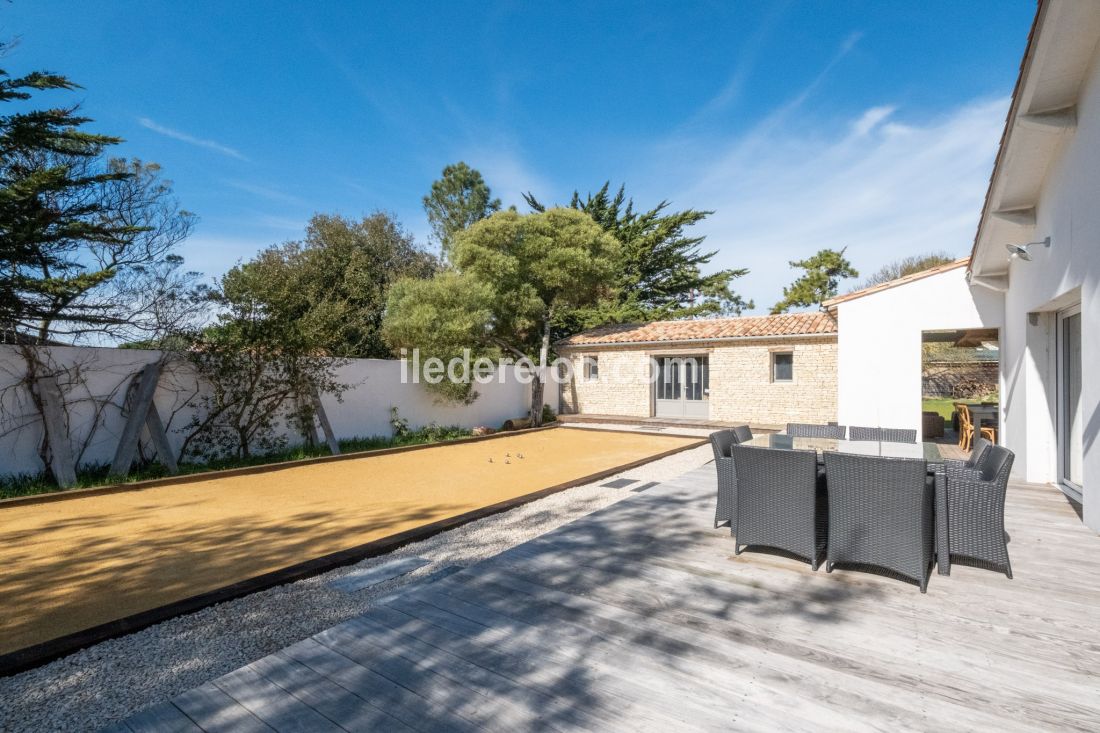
(929, 452)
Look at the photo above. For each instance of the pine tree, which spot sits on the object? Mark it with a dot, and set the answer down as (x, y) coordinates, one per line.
(80, 238)
(660, 268)
(458, 199)
(821, 280)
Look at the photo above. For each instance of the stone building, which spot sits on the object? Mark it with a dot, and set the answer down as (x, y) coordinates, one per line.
(764, 371)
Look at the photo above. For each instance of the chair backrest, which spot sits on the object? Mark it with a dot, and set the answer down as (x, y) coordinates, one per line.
(742, 433)
(880, 511)
(873, 478)
(804, 430)
(996, 464)
(721, 441)
(776, 497)
(965, 421)
(977, 452)
(885, 435)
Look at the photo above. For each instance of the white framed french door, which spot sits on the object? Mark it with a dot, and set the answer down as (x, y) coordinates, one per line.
(1070, 414)
(682, 388)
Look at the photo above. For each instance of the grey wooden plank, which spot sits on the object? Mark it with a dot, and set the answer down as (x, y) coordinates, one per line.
(214, 711)
(339, 705)
(678, 582)
(895, 683)
(57, 432)
(457, 695)
(403, 704)
(575, 666)
(163, 717)
(272, 704)
(596, 689)
(620, 483)
(326, 426)
(481, 680)
(138, 405)
(357, 580)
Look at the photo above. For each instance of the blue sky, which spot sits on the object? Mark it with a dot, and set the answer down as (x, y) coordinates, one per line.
(804, 125)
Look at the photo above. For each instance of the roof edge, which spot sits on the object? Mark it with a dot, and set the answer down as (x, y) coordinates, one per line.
(1013, 110)
(896, 282)
(711, 340)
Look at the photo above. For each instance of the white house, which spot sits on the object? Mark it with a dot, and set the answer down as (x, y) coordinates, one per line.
(1041, 296)
(1046, 188)
(881, 330)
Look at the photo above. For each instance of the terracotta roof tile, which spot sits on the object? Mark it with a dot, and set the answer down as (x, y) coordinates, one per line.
(894, 283)
(787, 324)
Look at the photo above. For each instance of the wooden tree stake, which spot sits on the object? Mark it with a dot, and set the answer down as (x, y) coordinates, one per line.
(322, 417)
(57, 435)
(143, 413)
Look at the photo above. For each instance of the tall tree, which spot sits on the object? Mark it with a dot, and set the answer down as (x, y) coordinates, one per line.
(458, 199)
(516, 276)
(906, 266)
(258, 371)
(660, 269)
(86, 244)
(327, 293)
(819, 282)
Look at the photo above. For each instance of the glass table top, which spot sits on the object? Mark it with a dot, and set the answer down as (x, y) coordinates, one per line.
(927, 451)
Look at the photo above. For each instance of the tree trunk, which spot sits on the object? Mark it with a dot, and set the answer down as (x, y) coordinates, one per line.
(538, 387)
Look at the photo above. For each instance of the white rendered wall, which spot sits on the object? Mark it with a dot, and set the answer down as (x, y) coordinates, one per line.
(879, 356)
(1068, 211)
(375, 387)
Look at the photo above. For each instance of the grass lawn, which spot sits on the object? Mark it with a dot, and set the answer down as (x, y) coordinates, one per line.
(944, 406)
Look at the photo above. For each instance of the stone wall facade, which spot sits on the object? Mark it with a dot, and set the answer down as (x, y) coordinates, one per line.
(961, 380)
(741, 386)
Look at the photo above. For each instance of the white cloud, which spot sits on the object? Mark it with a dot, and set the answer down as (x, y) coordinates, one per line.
(870, 119)
(267, 192)
(889, 190)
(190, 139)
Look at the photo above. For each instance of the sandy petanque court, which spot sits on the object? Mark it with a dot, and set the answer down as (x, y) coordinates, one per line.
(73, 564)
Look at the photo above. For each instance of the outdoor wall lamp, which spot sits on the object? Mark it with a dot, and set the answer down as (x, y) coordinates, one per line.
(1021, 250)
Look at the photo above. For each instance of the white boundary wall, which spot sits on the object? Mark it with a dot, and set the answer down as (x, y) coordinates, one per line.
(374, 387)
(879, 344)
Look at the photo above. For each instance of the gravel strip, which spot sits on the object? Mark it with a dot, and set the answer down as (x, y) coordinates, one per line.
(113, 679)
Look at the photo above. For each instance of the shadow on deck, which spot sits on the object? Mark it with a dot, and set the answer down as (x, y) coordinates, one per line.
(639, 616)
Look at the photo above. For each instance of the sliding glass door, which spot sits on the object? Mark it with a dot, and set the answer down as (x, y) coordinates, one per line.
(1070, 417)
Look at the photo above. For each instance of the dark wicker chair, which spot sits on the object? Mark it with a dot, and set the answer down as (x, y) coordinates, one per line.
(970, 522)
(880, 514)
(743, 433)
(803, 430)
(885, 435)
(977, 452)
(779, 504)
(721, 442)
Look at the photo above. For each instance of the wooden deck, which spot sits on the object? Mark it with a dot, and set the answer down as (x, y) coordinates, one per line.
(639, 617)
